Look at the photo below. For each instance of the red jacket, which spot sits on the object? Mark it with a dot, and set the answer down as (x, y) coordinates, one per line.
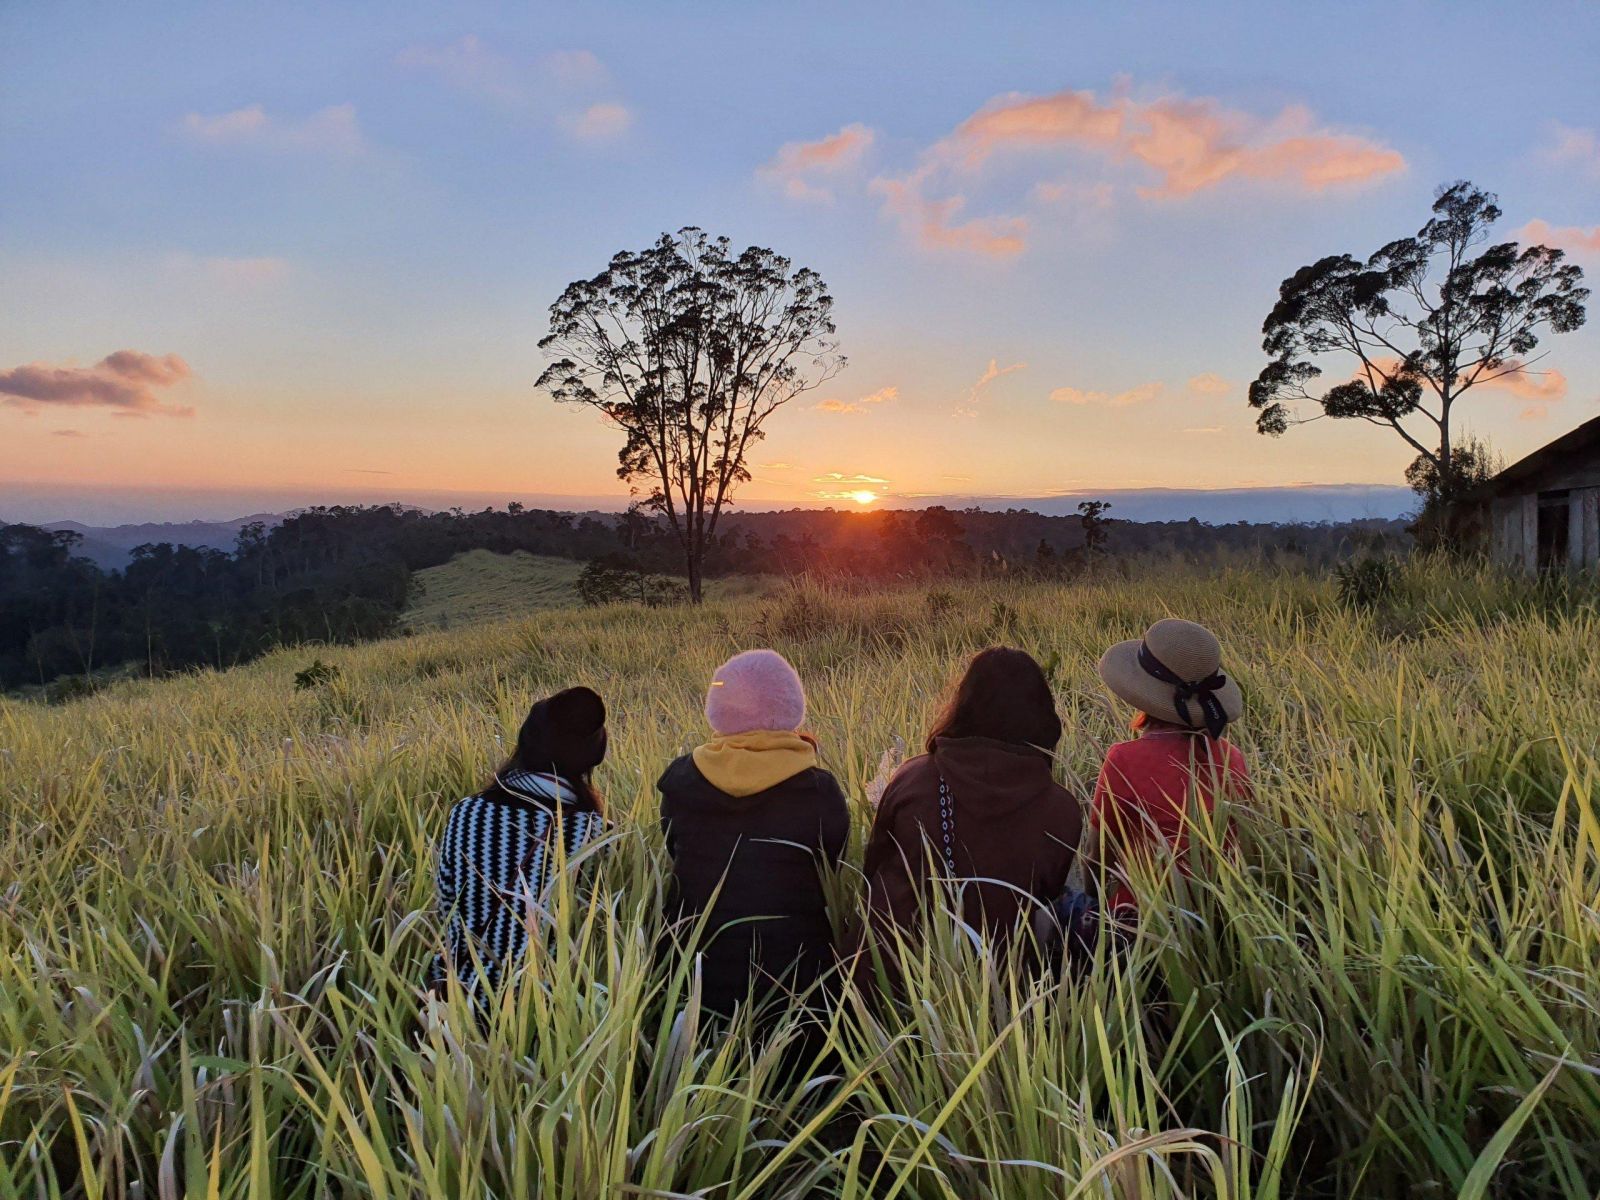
(1143, 794)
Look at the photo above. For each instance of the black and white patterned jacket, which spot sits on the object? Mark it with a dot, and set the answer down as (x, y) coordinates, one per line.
(495, 863)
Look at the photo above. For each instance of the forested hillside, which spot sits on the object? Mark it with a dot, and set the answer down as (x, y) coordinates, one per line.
(346, 574)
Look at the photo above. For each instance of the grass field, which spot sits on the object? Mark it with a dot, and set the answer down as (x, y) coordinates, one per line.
(481, 586)
(215, 908)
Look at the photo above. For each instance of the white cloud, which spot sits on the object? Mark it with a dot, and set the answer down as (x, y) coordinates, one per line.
(331, 131)
(568, 87)
(980, 390)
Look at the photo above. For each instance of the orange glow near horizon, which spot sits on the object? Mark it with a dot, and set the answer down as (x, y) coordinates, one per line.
(864, 497)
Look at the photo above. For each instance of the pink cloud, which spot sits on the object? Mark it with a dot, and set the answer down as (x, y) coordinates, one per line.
(881, 396)
(1091, 196)
(1189, 144)
(1570, 145)
(1185, 145)
(936, 224)
(1124, 399)
(1544, 387)
(797, 165)
(1512, 376)
(1572, 238)
(601, 122)
(1209, 383)
(333, 130)
(126, 382)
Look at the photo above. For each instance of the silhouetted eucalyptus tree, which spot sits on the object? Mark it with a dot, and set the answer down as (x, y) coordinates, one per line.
(1424, 320)
(1092, 514)
(689, 348)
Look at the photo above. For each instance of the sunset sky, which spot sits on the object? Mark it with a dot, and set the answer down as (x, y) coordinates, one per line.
(275, 246)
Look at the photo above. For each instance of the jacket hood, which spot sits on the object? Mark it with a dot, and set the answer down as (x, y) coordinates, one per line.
(746, 764)
(996, 776)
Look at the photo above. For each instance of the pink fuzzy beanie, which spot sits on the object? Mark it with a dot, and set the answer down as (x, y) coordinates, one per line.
(755, 690)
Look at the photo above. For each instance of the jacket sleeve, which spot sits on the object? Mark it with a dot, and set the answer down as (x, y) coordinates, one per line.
(835, 823)
(667, 830)
(895, 860)
(1095, 848)
(1063, 851)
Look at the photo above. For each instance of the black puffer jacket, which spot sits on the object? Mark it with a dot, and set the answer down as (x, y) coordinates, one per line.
(765, 851)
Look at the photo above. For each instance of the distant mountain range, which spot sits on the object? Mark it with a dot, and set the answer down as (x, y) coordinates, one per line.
(1301, 505)
(110, 546)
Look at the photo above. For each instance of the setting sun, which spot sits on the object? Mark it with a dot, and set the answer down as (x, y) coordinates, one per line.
(863, 497)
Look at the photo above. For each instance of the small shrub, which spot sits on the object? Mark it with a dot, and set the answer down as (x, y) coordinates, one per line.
(940, 603)
(1367, 583)
(661, 592)
(317, 674)
(1003, 619)
(69, 688)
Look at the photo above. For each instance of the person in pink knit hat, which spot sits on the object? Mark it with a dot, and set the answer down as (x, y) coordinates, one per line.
(749, 817)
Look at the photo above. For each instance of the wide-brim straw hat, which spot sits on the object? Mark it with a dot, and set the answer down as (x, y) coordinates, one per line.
(1190, 658)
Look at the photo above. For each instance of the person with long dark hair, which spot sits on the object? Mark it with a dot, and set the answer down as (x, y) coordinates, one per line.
(981, 809)
(502, 847)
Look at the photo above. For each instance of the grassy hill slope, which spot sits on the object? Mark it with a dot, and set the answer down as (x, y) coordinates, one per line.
(216, 905)
(483, 586)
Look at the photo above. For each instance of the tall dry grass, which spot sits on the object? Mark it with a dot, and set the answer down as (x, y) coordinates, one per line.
(215, 906)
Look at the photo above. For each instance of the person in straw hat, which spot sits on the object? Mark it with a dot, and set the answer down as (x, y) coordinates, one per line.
(1184, 702)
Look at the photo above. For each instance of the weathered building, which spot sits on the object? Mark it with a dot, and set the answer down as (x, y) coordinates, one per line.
(1544, 511)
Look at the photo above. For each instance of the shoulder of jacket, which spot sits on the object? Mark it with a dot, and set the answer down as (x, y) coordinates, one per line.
(825, 782)
(677, 773)
(913, 769)
(1119, 750)
(912, 778)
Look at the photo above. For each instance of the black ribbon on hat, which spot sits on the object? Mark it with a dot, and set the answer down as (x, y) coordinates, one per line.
(1205, 690)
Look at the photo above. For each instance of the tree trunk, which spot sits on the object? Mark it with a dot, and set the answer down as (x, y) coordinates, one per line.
(692, 562)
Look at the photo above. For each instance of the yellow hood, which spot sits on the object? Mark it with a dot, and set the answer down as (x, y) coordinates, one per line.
(747, 763)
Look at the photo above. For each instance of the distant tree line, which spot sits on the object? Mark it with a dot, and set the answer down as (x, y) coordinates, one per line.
(345, 574)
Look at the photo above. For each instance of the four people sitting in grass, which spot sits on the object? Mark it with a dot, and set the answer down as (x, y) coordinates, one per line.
(755, 825)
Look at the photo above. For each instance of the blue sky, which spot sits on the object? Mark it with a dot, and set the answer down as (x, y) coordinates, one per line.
(346, 224)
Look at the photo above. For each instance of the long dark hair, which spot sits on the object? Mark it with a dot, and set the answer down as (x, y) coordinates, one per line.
(1003, 695)
(564, 735)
